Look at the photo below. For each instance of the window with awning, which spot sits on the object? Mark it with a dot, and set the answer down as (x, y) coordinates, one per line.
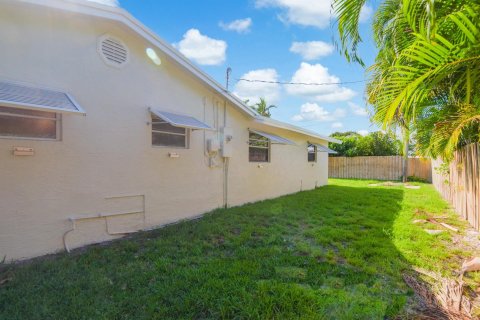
(258, 148)
(33, 113)
(172, 130)
(259, 143)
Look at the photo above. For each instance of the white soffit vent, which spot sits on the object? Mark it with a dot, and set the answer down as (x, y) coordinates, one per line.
(178, 120)
(28, 97)
(113, 51)
(274, 138)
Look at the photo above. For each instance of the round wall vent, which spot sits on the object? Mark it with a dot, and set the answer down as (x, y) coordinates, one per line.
(113, 51)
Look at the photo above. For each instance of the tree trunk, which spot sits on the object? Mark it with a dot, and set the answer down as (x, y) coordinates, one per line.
(406, 142)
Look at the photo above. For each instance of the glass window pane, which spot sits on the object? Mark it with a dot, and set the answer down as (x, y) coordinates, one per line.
(28, 127)
(167, 127)
(168, 140)
(258, 155)
(36, 113)
(312, 153)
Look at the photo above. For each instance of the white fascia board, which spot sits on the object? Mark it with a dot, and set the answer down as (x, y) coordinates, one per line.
(122, 16)
(287, 126)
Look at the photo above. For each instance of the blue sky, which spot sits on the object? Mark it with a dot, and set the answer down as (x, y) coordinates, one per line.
(272, 40)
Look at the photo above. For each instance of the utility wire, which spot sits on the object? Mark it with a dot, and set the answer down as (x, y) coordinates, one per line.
(301, 83)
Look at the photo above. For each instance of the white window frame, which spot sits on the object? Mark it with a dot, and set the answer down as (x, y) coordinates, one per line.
(268, 147)
(158, 120)
(315, 150)
(57, 119)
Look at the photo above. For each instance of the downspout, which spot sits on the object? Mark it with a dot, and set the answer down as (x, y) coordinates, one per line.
(225, 160)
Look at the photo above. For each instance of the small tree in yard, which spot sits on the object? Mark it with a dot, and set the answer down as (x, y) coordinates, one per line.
(374, 144)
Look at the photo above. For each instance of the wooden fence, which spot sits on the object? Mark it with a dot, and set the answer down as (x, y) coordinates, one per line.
(460, 184)
(379, 168)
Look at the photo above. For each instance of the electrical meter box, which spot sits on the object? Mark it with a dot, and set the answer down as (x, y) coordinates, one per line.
(226, 145)
(213, 145)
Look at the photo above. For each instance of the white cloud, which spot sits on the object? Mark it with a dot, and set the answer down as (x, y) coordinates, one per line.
(365, 13)
(309, 13)
(202, 49)
(337, 125)
(362, 132)
(312, 111)
(357, 110)
(111, 3)
(240, 25)
(253, 91)
(312, 50)
(316, 73)
(301, 12)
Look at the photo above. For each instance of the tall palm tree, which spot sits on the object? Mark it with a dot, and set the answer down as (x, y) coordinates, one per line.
(427, 72)
(389, 33)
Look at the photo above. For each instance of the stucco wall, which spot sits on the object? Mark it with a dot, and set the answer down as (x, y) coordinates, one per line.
(104, 162)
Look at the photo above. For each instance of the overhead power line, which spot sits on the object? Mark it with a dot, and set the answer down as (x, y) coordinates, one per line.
(301, 83)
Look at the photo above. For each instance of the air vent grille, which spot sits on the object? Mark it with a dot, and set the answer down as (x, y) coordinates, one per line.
(113, 51)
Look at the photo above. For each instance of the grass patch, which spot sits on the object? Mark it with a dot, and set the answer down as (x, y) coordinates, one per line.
(337, 252)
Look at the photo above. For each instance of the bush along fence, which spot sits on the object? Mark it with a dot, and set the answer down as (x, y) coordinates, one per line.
(459, 182)
(378, 167)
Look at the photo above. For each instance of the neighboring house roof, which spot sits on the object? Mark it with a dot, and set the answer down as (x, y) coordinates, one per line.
(122, 16)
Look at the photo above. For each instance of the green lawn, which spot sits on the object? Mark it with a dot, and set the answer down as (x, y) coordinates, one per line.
(337, 252)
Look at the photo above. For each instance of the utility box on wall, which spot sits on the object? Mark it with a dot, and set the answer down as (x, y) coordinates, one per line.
(226, 145)
(213, 145)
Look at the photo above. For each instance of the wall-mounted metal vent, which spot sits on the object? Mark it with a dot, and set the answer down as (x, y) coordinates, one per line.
(113, 51)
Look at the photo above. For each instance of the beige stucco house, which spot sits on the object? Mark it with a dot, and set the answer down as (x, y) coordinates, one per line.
(105, 130)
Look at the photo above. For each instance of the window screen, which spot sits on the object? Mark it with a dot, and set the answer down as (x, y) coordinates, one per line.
(258, 148)
(166, 135)
(33, 124)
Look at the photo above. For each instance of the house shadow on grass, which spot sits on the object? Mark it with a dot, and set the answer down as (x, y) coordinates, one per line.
(320, 254)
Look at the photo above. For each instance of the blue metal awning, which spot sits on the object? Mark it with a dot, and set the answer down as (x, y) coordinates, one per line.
(321, 148)
(182, 121)
(273, 138)
(27, 97)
